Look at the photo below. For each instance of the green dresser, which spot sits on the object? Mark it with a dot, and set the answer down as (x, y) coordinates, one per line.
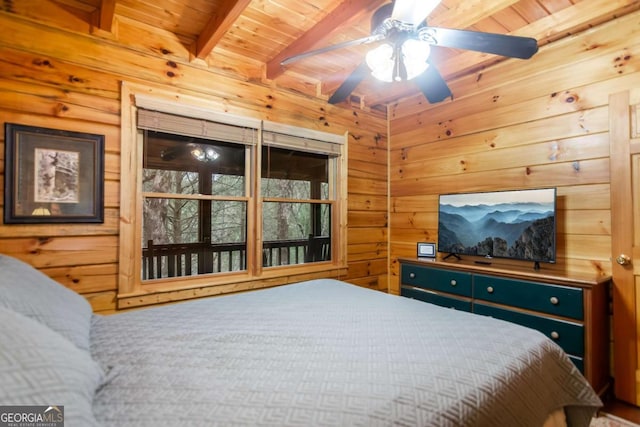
(570, 311)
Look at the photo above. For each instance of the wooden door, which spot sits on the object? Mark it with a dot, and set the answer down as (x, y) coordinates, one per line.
(624, 133)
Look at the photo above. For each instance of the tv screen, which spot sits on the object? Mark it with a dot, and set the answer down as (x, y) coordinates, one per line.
(518, 224)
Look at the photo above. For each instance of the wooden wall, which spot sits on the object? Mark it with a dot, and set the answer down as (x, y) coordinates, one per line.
(70, 79)
(521, 124)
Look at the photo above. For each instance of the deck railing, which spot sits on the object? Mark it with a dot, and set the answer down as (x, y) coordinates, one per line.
(186, 259)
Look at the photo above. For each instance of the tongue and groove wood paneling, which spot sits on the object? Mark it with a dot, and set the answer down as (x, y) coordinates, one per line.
(520, 125)
(61, 79)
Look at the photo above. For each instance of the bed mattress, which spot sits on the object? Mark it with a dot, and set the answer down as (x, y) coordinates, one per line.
(327, 353)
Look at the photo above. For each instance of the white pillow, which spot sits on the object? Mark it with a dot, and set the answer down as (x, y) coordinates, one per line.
(28, 291)
(40, 367)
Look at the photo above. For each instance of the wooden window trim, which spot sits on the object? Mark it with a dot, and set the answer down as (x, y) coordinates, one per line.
(131, 290)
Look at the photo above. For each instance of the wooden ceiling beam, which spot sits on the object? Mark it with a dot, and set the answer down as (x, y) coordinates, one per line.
(106, 14)
(224, 17)
(346, 13)
(466, 13)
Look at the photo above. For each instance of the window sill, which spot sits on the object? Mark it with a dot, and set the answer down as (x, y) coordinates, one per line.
(174, 290)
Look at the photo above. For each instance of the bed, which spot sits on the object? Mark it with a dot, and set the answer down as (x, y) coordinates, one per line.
(314, 353)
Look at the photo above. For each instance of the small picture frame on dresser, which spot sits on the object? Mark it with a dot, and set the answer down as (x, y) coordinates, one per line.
(426, 250)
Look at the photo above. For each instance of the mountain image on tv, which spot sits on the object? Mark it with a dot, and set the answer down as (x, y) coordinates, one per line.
(505, 224)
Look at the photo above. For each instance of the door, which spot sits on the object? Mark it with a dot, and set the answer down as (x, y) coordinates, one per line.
(624, 134)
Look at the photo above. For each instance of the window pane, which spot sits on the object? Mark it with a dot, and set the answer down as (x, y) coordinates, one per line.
(168, 221)
(293, 174)
(178, 241)
(229, 236)
(177, 182)
(184, 165)
(166, 181)
(227, 185)
(229, 222)
(295, 233)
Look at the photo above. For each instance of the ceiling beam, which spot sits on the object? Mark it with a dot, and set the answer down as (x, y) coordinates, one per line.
(107, 12)
(466, 13)
(224, 17)
(347, 12)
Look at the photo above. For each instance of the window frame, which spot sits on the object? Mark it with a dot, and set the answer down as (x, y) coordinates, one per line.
(130, 250)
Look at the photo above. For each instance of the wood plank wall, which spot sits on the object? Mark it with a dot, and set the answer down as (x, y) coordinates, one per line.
(521, 124)
(70, 79)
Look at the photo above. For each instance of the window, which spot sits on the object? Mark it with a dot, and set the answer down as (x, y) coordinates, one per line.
(296, 208)
(218, 199)
(194, 218)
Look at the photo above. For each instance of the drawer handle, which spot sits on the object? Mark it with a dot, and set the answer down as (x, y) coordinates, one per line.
(555, 335)
(453, 283)
(490, 289)
(412, 275)
(554, 300)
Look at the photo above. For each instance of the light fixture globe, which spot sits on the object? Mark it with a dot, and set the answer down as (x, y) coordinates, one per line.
(381, 62)
(203, 153)
(384, 60)
(415, 54)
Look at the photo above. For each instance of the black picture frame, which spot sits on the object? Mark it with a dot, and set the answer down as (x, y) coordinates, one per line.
(52, 176)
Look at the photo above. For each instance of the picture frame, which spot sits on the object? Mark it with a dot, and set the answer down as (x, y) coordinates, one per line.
(426, 250)
(52, 176)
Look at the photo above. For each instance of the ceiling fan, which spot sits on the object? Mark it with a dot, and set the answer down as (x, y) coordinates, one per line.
(407, 40)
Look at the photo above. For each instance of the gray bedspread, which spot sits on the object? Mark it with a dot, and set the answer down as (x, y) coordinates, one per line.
(327, 353)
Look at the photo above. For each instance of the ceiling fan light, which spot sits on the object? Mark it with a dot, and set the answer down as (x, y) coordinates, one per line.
(203, 153)
(380, 61)
(415, 54)
(211, 154)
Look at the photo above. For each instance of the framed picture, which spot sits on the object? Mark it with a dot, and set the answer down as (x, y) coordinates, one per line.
(52, 176)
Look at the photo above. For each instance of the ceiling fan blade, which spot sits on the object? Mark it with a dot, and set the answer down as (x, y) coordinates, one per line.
(432, 85)
(413, 11)
(350, 83)
(357, 42)
(498, 44)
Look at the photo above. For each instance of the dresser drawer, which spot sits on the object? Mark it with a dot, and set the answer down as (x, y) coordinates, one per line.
(559, 300)
(453, 282)
(569, 336)
(434, 298)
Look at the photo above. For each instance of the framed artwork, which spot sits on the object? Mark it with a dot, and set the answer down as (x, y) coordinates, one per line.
(52, 176)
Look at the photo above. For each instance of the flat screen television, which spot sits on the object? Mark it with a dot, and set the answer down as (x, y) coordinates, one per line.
(517, 224)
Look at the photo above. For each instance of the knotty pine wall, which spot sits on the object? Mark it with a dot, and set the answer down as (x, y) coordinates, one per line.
(69, 79)
(521, 124)
(541, 122)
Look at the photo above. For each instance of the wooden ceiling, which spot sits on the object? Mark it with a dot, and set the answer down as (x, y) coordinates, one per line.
(249, 38)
